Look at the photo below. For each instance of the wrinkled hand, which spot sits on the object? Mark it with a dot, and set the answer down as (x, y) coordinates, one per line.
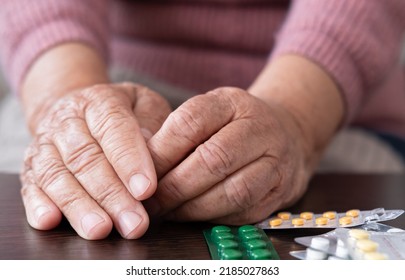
(89, 161)
(228, 157)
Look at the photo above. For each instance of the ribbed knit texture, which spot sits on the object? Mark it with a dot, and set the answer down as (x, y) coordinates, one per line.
(200, 45)
(29, 28)
(357, 42)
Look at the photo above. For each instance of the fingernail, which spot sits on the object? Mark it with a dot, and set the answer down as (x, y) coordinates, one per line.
(90, 221)
(147, 134)
(40, 212)
(128, 222)
(152, 206)
(139, 184)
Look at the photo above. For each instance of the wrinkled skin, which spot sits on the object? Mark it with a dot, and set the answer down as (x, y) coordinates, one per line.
(84, 154)
(228, 157)
(224, 156)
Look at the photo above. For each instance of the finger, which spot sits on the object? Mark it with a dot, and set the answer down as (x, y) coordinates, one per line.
(228, 150)
(41, 212)
(83, 213)
(112, 123)
(85, 159)
(275, 199)
(188, 126)
(151, 110)
(237, 193)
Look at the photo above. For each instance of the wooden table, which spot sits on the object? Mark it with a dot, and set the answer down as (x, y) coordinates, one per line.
(185, 241)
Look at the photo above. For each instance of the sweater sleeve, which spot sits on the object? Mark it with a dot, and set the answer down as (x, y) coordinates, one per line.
(29, 28)
(356, 42)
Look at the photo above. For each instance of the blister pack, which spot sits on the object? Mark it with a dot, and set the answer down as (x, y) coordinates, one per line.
(329, 219)
(373, 245)
(355, 243)
(239, 243)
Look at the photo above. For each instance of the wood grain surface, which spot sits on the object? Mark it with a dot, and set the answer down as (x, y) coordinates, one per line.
(185, 241)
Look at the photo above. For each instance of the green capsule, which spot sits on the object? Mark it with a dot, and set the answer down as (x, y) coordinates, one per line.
(222, 236)
(246, 228)
(218, 229)
(250, 236)
(260, 254)
(254, 244)
(231, 254)
(227, 244)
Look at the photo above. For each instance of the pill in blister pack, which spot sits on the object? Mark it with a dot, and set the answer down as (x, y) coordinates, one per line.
(353, 243)
(329, 219)
(237, 243)
(321, 247)
(373, 245)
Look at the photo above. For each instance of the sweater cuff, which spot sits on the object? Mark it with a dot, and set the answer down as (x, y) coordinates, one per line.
(330, 56)
(43, 38)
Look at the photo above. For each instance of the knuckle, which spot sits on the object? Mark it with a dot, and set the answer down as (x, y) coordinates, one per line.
(127, 84)
(169, 191)
(105, 113)
(185, 125)
(234, 98)
(67, 203)
(110, 194)
(93, 93)
(62, 114)
(94, 89)
(29, 153)
(112, 96)
(48, 169)
(228, 90)
(239, 193)
(215, 158)
(27, 182)
(109, 122)
(24, 189)
(160, 160)
(68, 108)
(83, 158)
(121, 154)
(106, 124)
(229, 93)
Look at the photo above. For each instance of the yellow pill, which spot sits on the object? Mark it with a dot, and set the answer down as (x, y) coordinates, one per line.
(366, 245)
(374, 256)
(353, 213)
(359, 234)
(330, 215)
(346, 220)
(321, 221)
(306, 215)
(298, 221)
(275, 222)
(284, 215)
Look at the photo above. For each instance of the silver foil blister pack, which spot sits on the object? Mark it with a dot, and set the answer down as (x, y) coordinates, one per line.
(329, 219)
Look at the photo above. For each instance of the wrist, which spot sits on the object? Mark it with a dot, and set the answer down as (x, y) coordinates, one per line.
(307, 93)
(57, 72)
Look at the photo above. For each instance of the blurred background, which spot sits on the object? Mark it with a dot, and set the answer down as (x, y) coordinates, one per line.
(14, 137)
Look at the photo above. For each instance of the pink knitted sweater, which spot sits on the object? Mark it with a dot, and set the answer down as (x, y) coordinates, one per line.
(203, 44)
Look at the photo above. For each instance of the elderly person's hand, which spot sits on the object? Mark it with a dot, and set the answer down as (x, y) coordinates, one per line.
(230, 157)
(88, 159)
